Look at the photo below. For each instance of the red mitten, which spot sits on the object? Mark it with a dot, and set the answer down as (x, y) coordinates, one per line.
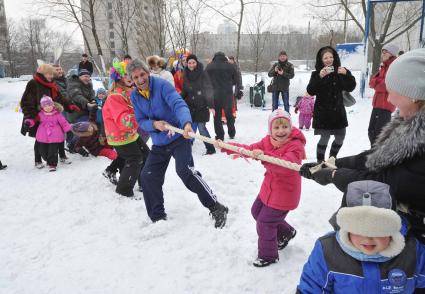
(74, 108)
(29, 122)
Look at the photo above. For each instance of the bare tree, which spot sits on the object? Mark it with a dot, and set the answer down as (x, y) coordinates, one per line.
(11, 46)
(256, 27)
(236, 18)
(385, 23)
(123, 13)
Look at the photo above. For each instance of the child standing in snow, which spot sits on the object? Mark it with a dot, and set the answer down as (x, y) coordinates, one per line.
(281, 188)
(51, 131)
(306, 107)
(88, 137)
(369, 253)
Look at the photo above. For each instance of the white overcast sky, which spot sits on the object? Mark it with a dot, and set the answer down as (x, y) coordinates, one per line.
(291, 12)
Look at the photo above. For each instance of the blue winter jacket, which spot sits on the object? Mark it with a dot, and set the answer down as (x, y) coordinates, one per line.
(164, 103)
(330, 270)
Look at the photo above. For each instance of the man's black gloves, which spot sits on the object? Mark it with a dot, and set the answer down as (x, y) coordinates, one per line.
(323, 176)
(305, 169)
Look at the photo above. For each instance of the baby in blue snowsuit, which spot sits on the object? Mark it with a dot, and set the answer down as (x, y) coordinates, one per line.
(369, 253)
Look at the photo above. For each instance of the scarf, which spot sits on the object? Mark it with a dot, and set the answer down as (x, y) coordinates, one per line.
(39, 78)
(360, 256)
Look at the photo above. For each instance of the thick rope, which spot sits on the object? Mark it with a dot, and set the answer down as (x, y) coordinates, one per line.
(248, 153)
(277, 161)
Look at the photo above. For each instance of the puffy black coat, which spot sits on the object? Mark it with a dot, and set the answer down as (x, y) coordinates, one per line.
(397, 159)
(281, 82)
(329, 111)
(30, 102)
(80, 94)
(223, 76)
(198, 93)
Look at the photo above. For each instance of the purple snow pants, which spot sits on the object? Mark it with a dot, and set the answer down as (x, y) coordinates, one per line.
(305, 120)
(271, 226)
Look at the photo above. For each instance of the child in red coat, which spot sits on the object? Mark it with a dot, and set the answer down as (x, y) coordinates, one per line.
(281, 188)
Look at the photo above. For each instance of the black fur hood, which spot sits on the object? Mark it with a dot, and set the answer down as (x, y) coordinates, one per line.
(319, 62)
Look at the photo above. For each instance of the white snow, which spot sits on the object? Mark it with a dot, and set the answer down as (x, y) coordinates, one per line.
(68, 232)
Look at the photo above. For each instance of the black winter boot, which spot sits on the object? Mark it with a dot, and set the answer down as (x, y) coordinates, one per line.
(219, 213)
(283, 242)
(2, 166)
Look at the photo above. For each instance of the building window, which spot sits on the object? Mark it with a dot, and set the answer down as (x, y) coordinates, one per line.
(109, 5)
(110, 15)
(111, 25)
(113, 45)
(113, 53)
(111, 35)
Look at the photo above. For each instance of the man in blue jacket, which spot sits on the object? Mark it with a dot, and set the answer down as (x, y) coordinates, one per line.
(156, 105)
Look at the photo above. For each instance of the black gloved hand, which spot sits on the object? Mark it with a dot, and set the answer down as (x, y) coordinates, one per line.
(305, 169)
(323, 176)
(239, 95)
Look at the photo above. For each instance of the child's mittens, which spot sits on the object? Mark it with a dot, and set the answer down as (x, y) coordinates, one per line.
(29, 122)
(257, 152)
(296, 110)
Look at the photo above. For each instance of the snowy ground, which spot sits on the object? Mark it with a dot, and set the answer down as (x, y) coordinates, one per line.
(68, 232)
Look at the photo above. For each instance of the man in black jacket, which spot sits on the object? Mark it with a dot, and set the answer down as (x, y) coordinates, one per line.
(281, 72)
(85, 64)
(223, 76)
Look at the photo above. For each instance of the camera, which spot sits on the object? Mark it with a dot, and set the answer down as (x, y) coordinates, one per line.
(330, 69)
(278, 67)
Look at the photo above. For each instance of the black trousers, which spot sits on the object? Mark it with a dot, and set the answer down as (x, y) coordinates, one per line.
(218, 124)
(37, 155)
(49, 152)
(134, 155)
(378, 119)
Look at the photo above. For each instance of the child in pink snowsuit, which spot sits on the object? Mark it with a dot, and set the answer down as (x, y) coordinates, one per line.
(281, 188)
(51, 131)
(306, 107)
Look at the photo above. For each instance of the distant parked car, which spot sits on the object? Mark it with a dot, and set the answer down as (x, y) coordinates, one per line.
(25, 77)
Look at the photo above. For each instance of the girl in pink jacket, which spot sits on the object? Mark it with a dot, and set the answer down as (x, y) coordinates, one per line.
(306, 107)
(281, 188)
(51, 131)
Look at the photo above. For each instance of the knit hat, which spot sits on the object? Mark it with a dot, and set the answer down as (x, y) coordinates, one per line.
(84, 72)
(369, 212)
(278, 113)
(406, 75)
(101, 91)
(81, 126)
(283, 52)
(45, 101)
(392, 48)
(192, 56)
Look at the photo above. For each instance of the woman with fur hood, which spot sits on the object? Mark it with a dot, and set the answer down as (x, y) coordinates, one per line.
(157, 66)
(329, 117)
(398, 156)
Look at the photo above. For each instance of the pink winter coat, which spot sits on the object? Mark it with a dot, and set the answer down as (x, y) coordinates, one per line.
(281, 187)
(52, 128)
(306, 105)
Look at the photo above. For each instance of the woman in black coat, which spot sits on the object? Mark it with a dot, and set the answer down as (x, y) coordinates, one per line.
(398, 156)
(198, 94)
(329, 117)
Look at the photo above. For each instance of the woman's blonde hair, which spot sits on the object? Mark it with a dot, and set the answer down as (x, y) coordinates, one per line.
(45, 69)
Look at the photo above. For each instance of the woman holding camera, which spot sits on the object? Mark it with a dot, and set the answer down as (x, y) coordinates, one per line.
(329, 117)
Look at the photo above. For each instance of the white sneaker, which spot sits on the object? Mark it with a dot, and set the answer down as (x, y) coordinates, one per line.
(65, 160)
(39, 165)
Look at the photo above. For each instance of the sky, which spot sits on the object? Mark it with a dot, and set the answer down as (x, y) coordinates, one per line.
(288, 13)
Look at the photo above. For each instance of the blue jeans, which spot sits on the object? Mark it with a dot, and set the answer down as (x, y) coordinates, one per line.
(203, 131)
(153, 176)
(285, 98)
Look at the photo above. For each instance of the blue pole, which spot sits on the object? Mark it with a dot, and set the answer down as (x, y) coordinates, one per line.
(421, 32)
(365, 48)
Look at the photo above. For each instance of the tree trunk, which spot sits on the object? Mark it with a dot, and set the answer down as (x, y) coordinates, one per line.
(376, 58)
(93, 28)
(239, 30)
